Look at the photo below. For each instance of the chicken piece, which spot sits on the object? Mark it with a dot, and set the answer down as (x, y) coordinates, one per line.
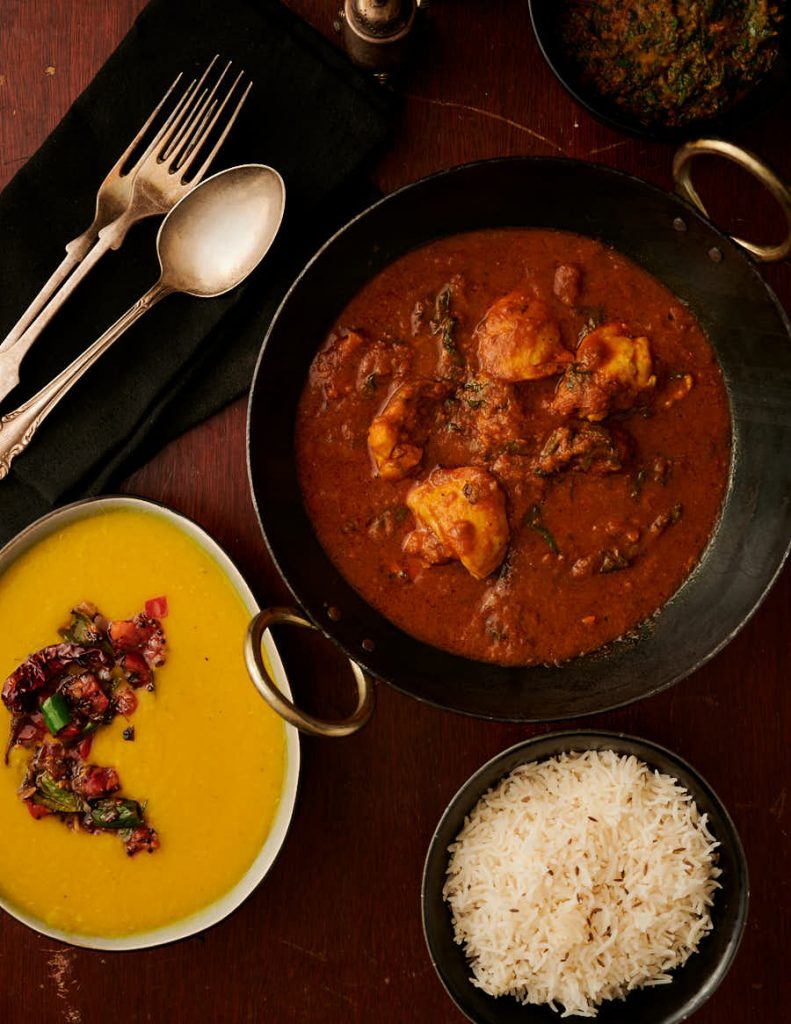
(610, 371)
(381, 361)
(351, 362)
(426, 545)
(499, 419)
(397, 435)
(582, 447)
(464, 510)
(512, 469)
(335, 367)
(518, 339)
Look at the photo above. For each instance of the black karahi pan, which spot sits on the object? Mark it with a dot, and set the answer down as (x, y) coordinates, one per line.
(749, 331)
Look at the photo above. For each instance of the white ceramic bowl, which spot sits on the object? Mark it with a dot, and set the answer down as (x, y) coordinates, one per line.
(216, 911)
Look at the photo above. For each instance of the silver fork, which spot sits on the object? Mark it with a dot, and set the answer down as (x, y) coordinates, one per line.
(152, 186)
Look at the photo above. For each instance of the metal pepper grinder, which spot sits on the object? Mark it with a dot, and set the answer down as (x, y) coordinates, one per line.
(378, 34)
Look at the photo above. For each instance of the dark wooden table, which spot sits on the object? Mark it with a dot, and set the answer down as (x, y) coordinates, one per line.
(334, 932)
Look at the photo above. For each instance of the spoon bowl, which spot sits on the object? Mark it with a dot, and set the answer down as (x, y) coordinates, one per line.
(219, 233)
(208, 244)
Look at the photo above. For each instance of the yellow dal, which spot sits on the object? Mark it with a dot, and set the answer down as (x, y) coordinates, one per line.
(208, 755)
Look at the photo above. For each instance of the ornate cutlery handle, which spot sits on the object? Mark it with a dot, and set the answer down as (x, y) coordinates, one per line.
(18, 427)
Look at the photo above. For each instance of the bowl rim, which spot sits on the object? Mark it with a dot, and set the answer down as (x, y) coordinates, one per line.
(579, 739)
(220, 908)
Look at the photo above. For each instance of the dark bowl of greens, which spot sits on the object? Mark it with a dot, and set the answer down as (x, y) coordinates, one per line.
(665, 70)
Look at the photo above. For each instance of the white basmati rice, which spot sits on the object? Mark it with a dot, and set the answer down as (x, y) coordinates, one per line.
(579, 878)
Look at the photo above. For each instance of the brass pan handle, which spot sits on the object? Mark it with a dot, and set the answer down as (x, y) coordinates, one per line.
(282, 705)
(682, 167)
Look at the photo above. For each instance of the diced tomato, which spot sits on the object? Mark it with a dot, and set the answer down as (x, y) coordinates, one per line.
(142, 635)
(93, 782)
(70, 731)
(135, 667)
(36, 810)
(157, 607)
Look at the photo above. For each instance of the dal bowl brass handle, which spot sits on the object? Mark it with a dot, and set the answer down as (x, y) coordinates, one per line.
(682, 176)
(262, 680)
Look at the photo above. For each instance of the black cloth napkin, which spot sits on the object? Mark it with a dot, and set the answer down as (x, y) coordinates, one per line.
(310, 114)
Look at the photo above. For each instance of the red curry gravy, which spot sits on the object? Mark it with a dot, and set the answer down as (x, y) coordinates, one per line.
(514, 444)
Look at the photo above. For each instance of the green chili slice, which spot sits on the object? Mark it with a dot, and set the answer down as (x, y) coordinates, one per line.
(114, 813)
(50, 795)
(55, 712)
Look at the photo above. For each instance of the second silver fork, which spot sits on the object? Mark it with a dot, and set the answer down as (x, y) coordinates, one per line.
(151, 186)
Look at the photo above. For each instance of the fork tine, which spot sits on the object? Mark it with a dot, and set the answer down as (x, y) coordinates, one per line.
(176, 127)
(196, 134)
(190, 90)
(128, 151)
(213, 152)
(181, 142)
(188, 114)
(172, 117)
(219, 81)
(185, 129)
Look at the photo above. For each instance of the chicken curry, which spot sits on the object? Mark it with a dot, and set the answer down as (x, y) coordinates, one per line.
(514, 444)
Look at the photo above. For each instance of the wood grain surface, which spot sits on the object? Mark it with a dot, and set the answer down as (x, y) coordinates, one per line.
(334, 932)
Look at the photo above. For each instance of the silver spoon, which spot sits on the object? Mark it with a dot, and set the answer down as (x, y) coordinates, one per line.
(208, 243)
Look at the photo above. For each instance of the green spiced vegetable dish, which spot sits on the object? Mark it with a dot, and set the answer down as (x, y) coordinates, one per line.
(668, 62)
